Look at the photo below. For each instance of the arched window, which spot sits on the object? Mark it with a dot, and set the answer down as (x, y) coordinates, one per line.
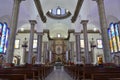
(58, 35)
(58, 11)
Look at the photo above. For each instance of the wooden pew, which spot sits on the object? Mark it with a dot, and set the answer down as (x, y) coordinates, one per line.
(105, 76)
(103, 73)
(32, 72)
(88, 71)
(13, 76)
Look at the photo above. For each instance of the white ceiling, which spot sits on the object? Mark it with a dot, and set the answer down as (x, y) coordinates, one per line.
(88, 11)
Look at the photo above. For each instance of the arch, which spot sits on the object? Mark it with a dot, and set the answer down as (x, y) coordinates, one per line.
(6, 19)
(111, 18)
(59, 28)
(33, 59)
(116, 59)
(16, 60)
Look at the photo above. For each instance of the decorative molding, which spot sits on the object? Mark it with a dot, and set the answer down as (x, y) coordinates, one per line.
(58, 16)
(69, 31)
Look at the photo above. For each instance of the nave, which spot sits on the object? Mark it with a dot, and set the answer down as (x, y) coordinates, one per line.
(58, 74)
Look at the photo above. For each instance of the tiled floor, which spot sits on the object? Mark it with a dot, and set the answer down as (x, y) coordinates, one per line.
(58, 74)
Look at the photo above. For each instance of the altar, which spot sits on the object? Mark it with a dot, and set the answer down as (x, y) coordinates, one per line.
(58, 65)
(58, 51)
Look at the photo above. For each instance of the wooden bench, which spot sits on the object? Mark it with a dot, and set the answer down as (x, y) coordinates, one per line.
(105, 76)
(32, 72)
(103, 73)
(13, 76)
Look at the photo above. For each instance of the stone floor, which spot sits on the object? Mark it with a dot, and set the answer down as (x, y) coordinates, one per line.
(58, 74)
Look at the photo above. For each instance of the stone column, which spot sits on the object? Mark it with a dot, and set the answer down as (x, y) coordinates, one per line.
(71, 51)
(67, 56)
(86, 49)
(32, 22)
(50, 56)
(39, 47)
(103, 24)
(78, 55)
(13, 28)
(46, 51)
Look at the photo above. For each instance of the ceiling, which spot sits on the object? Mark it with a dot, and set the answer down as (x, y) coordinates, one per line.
(88, 11)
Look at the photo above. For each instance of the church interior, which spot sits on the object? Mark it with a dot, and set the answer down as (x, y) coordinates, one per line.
(59, 39)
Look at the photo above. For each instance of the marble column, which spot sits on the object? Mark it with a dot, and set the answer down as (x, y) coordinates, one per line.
(71, 51)
(50, 56)
(46, 52)
(78, 55)
(103, 24)
(67, 56)
(13, 28)
(86, 49)
(39, 47)
(30, 53)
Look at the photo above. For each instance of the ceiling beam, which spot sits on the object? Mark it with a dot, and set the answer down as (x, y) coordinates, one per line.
(40, 11)
(78, 7)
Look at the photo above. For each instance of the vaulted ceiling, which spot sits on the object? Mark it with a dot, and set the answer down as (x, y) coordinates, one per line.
(88, 11)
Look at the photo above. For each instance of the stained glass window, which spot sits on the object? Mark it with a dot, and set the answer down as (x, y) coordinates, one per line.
(4, 33)
(114, 38)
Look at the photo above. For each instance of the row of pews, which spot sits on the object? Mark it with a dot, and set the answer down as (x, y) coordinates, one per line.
(89, 71)
(29, 72)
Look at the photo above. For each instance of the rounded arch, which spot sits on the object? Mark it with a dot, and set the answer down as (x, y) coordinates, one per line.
(59, 28)
(16, 60)
(33, 59)
(26, 26)
(61, 3)
(111, 18)
(6, 19)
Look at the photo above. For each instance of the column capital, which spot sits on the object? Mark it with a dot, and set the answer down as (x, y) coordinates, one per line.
(98, 1)
(84, 21)
(33, 21)
(77, 33)
(19, 0)
(40, 33)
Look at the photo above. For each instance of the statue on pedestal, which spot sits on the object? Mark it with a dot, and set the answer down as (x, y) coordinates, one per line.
(25, 43)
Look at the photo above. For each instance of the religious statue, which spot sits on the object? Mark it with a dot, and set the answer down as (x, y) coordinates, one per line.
(25, 43)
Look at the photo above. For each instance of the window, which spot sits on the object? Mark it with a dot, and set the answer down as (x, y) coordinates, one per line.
(35, 43)
(99, 43)
(58, 35)
(17, 44)
(82, 43)
(58, 11)
(4, 33)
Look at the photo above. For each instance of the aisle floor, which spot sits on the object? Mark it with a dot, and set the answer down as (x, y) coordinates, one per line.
(58, 74)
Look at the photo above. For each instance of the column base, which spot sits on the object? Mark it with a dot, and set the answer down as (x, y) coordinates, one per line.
(79, 62)
(38, 63)
(28, 65)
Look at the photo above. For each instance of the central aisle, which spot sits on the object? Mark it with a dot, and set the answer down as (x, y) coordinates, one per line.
(58, 74)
